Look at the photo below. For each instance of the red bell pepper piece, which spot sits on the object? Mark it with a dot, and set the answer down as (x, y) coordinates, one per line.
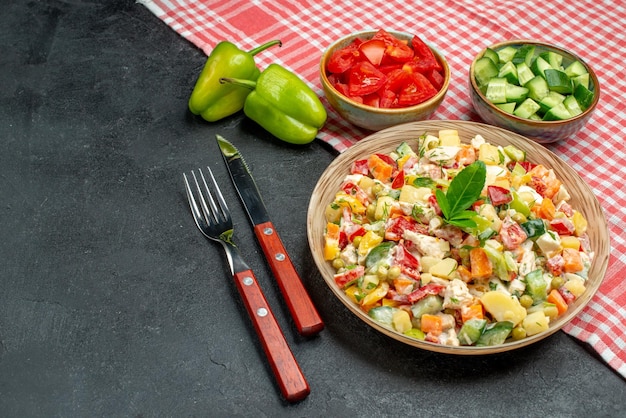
(360, 167)
(562, 226)
(348, 276)
(422, 292)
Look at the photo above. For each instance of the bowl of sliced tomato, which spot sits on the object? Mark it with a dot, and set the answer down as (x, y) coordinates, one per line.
(378, 79)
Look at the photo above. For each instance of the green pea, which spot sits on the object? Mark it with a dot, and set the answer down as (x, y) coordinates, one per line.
(526, 301)
(338, 263)
(356, 241)
(557, 281)
(394, 272)
(518, 333)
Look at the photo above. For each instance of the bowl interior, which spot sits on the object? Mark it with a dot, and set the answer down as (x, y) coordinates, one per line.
(568, 57)
(341, 43)
(582, 198)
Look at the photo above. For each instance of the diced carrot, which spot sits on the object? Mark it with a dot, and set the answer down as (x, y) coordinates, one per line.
(545, 210)
(480, 265)
(431, 324)
(472, 312)
(403, 285)
(552, 187)
(572, 260)
(555, 297)
(379, 168)
(464, 273)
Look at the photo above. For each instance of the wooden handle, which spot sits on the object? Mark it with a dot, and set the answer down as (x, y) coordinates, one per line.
(291, 381)
(308, 321)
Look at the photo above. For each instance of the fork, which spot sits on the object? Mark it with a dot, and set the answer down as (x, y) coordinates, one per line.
(214, 221)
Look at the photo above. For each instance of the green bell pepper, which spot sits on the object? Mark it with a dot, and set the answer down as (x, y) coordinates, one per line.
(283, 105)
(213, 100)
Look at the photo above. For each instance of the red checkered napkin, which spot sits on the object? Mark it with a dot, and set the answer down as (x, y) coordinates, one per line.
(460, 30)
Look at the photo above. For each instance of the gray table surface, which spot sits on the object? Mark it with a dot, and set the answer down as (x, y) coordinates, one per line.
(111, 302)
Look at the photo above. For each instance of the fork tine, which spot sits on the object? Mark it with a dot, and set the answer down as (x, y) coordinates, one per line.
(221, 212)
(195, 210)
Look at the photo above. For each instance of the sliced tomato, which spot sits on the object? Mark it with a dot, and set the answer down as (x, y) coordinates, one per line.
(397, 79)
(388, 99)
(365, 79)
(343, 59)
(435, 77)
(418, 90)
(512, 234)
(373, 50)
(499, 195)
(422, 50)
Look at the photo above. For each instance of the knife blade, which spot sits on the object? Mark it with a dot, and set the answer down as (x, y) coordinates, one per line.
(307, 320)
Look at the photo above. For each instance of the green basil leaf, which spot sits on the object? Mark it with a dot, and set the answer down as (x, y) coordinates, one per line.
(465, 188)
(442, 201)
(463, 223)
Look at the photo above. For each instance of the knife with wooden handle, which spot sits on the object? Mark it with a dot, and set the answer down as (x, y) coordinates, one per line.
(303, 311)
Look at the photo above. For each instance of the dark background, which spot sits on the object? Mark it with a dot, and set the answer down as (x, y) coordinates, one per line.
(112, 303)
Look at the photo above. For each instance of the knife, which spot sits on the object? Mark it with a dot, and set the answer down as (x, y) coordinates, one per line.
(304, 313)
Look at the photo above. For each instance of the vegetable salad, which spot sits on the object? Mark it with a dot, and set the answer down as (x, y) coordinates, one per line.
(457, 244)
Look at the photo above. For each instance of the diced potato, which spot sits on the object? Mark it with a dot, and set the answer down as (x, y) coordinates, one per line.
(535, 323)
(383, 207)
(427, 261)
(426, 278)
(333, 212)
(401, 321)
(444, 269)
(549, 244)
(575, 284)
(489, 154)
(366, 183)
(411, 194)
(503, 307)
(449, 137)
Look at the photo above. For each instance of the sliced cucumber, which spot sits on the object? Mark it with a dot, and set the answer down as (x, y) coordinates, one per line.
(506, 54)
(539, 66)
(524, 54)
(584, 96)
(509, 71)
(572, 106)
(515, 93)
(552, 99)
(553, 58)
(558, 112)
(496, 90)
(558, 81)
(492, 55)
(527, 108)
(537, 88)
(507, 107)
(485, 70)
(576, 68)
(524, 73)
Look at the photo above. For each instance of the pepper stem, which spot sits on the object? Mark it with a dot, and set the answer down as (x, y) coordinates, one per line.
(265, 46)
(239, 82)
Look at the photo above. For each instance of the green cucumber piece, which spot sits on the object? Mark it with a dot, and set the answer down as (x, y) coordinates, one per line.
(537, 88)
(496, 90)
(584, 96)
(506, 54)
(552, 99)
(471, 331)
(484, 70)
(506, 107)
(525, 54)
(572, 106)
(575, 68)
(558, 81)
(553, 58)
(539, 66)
(527, 108)
(404, 149)
(492, 55)
(582, 79)
(495, 334)
(558, 112)
(514, 153)
(536, 286)
(514, 93)
(509, 72)
(382, 314)
(430, 304)
(524, 73)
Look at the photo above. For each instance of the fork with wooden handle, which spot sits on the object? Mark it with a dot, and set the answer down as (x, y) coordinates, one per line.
(213, 219)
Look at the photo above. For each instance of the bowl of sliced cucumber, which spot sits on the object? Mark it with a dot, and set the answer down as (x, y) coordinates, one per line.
(535, 89)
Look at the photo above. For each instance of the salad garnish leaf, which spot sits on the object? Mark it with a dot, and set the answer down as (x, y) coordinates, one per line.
(464, 190)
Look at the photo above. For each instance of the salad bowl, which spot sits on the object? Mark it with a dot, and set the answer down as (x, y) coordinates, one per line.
(387, 140)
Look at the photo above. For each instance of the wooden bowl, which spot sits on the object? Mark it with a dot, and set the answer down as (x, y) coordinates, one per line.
(582, 199)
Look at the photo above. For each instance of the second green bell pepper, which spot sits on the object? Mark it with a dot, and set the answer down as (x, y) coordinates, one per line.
(213, 100)
(283, 105)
